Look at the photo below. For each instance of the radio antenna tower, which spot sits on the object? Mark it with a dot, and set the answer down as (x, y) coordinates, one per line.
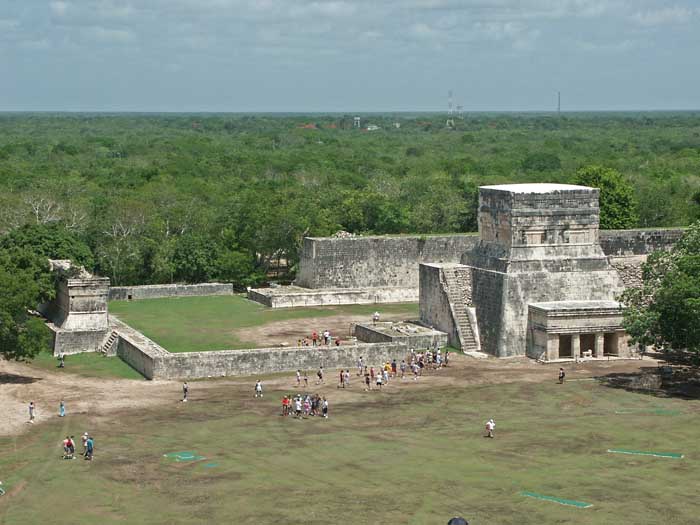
(558, 102)
(450, 111)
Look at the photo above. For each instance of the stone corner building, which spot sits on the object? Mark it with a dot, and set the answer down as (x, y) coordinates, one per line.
(536, 283)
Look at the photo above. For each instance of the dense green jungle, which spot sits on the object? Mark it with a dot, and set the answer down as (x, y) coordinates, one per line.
(154, 198)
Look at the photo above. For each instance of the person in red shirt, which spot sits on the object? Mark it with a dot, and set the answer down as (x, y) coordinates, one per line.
(314, 339)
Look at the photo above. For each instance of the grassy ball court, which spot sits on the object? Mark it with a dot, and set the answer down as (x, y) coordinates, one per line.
(412, 454)
(190, 324)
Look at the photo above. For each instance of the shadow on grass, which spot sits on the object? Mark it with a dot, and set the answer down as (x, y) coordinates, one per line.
(16, 379)
(675, 377)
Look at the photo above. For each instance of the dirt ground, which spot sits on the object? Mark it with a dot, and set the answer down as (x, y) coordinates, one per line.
(291, 330)
(21, 383)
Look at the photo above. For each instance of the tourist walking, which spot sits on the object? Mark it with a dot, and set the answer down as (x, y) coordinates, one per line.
(324, 407)
(61, 409)
(346, 378)
(298, 378)
(319, 374)
(326, 337)
(341, 383)
(360, 366)
(314, 339)
(562, 376)
(368, 383)
(375, 318)
(402, 367)
(185, 391)
(490, 427)
(306, 379)
(90, 448)
(379, 380)
(61, 360)
(258, 389)
(84, 440)
(32, 410)
(297, 406)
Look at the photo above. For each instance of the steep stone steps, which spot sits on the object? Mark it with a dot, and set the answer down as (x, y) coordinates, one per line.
(108, 344)
(458, 293)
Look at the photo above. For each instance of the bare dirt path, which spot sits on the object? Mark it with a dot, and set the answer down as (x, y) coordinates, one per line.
(21, 383)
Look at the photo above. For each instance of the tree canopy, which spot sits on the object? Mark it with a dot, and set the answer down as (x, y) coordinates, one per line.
(618, 209)
(665, 311)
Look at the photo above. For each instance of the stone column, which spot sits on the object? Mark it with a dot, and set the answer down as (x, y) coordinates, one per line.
(599, 344)
(576, 346)
(621, 343)
(552, 347)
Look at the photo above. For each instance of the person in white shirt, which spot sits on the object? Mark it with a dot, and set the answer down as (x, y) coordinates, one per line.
(324, 407)
(258, 389)
(490, 427)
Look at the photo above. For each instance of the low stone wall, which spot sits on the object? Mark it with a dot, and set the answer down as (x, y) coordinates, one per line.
(295, 296)
(192, 365)
(137, 350)
(154, 291)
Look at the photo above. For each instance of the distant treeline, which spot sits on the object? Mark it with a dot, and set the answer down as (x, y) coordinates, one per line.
(163, 198)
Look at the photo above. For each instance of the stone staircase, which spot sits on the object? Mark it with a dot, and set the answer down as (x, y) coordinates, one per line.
(107, 347)
(458, 291)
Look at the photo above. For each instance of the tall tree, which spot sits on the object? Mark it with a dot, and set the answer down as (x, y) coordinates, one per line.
(664, 311)
(618, 209)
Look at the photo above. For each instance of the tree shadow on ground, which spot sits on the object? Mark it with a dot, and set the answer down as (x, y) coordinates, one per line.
(17, 379)
(676, 375)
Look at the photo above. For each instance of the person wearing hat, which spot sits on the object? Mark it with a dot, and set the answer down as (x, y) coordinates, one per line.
(84, 440)
(458, 521)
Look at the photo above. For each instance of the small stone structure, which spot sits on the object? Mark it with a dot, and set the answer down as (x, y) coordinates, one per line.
(576, 330)
(78, 314)
(413, 335)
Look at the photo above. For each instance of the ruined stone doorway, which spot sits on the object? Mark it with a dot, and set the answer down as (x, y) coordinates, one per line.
(610, 344)
(588, 343)
(565, 346)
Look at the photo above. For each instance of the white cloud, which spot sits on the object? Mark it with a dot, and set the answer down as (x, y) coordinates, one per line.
(103, 34)
(59, 8)
(668, 15)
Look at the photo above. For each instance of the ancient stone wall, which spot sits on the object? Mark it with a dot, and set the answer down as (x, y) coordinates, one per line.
(435, 304)
(365, 262)
(154, 291)
(295, 296)
(193, 365)
(638, 242)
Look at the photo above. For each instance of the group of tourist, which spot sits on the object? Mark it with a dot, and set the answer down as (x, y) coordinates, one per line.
(302, 406)
(88, 447)
(319, 338)
(69, 442)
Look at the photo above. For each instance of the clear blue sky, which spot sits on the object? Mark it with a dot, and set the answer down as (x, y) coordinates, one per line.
(348, 55)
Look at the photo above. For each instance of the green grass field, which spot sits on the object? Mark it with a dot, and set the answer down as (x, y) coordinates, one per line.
(189, 324)
(407, 455)
(89, 365)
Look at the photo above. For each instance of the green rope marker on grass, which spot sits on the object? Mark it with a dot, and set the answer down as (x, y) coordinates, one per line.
(211, 465)
(183, 456)
(653, 411)
(672, 455)
(561, 501)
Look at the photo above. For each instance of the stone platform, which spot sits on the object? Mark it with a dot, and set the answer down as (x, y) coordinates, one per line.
(295, 296)
(413, 335)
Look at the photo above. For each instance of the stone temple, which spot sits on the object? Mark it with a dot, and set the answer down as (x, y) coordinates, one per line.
(536, 283)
